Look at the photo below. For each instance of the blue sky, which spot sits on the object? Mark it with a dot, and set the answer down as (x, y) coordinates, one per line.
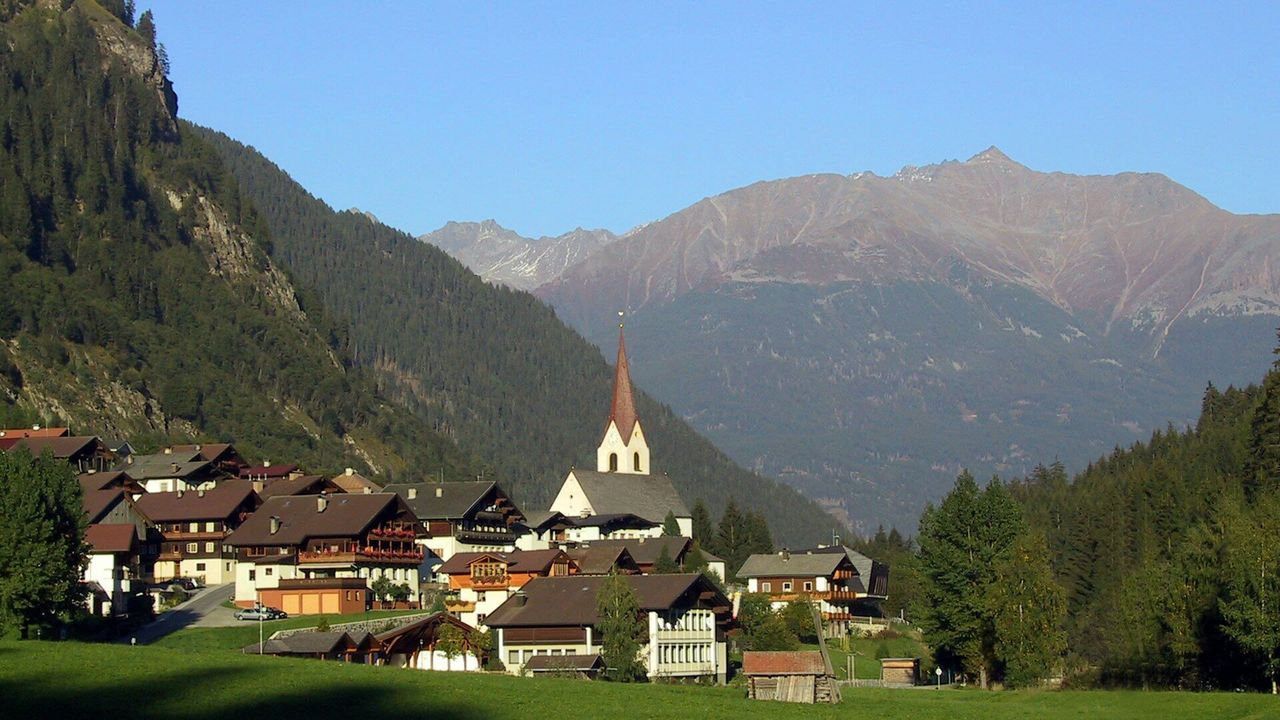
(547, 116)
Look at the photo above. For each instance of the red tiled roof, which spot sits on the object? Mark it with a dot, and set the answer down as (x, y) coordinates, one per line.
(61, 447)
(34, 432)
(802, 662)
(111, 538)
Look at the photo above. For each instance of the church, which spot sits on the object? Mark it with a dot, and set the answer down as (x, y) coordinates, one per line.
(623, 482)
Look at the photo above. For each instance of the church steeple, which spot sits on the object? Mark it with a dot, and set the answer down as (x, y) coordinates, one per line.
(623, 447)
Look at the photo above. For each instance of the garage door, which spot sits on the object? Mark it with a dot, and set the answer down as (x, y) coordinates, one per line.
(311, 604)
(291, 604)
(329, 602)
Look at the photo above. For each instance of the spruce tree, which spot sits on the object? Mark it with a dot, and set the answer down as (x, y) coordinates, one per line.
(703, 529)
(665, 564)
(671, 526)
(621, 630)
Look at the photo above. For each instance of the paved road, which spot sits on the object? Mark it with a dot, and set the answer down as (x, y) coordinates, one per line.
(203, 610)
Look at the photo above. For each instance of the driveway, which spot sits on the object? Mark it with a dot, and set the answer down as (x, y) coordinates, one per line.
(204, 609)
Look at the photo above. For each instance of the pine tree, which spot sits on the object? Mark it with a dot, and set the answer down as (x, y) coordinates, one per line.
(703, 530)
(1262, 465)
(1251, 603)
(42, 548)
(1028, 610)
(620, 628)
(665, 564)
(671, 526)
(731, 539)
(757, 538)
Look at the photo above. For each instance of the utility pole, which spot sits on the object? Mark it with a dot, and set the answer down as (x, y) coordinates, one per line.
(260, 615)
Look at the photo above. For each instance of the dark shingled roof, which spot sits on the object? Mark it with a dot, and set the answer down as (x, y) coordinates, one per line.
(646, 551)
(269, 471)
(100, 480)
(345, 515)
(217, 503)
(564, 663)
(111, 538)
(455, 501)
(302, 485)
(649, 496)
(61, 447)
(800, 662)
(571, 600)
(97, 503)
(600, 560)
(149, 467)
(309, 643)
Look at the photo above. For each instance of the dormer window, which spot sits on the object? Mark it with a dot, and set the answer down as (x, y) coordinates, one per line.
(613, 462)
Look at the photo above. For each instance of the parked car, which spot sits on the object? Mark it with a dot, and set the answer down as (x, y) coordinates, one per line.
(260, 612)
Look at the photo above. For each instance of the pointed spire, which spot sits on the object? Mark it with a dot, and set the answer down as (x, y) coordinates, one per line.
(623, 410)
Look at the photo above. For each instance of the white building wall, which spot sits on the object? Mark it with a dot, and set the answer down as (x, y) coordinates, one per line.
(614, 444)
(571, 501)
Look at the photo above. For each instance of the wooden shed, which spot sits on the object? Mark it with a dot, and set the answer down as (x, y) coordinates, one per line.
(900, 671)
(800, 677)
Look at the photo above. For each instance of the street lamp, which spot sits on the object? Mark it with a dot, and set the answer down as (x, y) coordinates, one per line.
(938, 672)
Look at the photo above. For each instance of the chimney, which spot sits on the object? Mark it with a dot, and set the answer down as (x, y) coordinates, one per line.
(35, 427)
(520, 598)
(275, 524)
(173, 468)
(200, 492)
(91, 470)
(179, 492)
(322, 502)
(786, 554)
(439, 492)
(351, 471)
(168, 451)
(266, 463)
(368, 490)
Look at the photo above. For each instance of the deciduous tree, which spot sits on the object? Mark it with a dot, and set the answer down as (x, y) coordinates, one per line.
(621, 629)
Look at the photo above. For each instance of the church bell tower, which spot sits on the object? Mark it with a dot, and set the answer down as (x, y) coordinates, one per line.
(623, 448)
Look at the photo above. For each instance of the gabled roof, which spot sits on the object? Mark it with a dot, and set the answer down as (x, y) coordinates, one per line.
(571, 600)
(151, 467)
(268, 471)
(646, 551)
(622, 411)
(216, 503)
(518, 561)
(600, 560)
(649, 496)
(111, 538)
(446, 501)
(61, 447)
(353, 482)
(34, 432)
(344, 516)
(301, 485)
(613, 521)
(213, 452)
(797, 565)
(101, 480)
(311, 643)
(97, 503)
(800, 662)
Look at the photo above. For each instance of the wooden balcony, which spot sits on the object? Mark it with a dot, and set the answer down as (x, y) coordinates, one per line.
(490, 582)
(459, 606)
(840, 595)
(363, 555)
(187, 535)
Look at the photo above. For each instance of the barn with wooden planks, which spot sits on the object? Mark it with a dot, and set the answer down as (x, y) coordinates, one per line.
(800, 677)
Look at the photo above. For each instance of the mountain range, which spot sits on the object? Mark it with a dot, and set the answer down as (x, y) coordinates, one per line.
(504, 256)
(866, 337)
(165, 283)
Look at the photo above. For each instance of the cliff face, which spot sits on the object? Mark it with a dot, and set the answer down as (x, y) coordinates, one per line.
(144, 302)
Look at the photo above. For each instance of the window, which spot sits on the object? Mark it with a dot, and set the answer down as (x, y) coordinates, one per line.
(193, 547)
(268, 572)
(786, 586)
(480, 618)
(253, 575)
(479, 596)
(513, 657)
(209, 547)
(613, 462)
(348, 595)
(808, 585)
(766, 587)
(210, 526)
(199, 567)
(636, 462)
(195, 527)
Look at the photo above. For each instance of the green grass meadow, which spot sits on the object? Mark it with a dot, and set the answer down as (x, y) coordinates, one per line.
(78, 680)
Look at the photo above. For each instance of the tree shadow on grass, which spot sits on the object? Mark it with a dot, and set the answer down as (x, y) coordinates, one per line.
(224, 692)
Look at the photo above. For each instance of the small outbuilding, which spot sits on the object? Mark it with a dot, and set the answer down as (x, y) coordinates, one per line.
(418, 645)
(358, 647)
(900, 671)
(800, 677)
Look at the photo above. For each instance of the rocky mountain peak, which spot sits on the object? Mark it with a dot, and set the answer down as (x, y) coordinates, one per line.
(992, 154)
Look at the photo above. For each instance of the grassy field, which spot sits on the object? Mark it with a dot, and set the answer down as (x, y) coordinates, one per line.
(234, 638)
(72, 680)
(867, 664)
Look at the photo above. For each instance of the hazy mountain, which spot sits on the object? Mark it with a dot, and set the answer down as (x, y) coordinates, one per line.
(865, 337)
(501, 255)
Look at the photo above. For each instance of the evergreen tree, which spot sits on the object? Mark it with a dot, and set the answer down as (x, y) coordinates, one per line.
(757, 538)
(798, 616)
(670, 526)
(622, 632)
(665, 564)
(703, 530)
(1262, 467)
(732, 538)
(1251, 603)
(1028, 610)
(42, 547)
(959, 543)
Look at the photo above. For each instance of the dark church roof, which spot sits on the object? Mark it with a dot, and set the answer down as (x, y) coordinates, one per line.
(648, 496)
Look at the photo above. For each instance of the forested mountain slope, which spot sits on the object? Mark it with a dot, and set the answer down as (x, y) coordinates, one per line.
(1145, 543)
(138, 298)
(491, 367)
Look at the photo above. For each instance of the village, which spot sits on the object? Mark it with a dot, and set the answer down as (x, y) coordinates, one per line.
(496, 586)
